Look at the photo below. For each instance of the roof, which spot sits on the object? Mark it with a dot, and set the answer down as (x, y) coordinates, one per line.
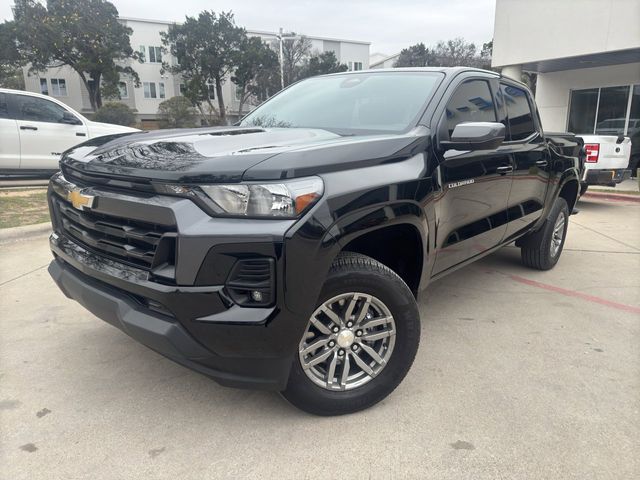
(249, 31)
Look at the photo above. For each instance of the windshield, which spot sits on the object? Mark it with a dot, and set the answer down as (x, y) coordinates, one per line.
(381, 102)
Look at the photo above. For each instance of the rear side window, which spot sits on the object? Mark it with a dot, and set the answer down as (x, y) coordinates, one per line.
(518, 111)
(36, 109)
(471, 102)
(4, 107)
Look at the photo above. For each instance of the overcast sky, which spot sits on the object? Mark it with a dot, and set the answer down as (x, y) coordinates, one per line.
(389, 25)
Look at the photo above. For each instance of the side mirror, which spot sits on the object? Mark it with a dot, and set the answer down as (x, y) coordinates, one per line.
(475, 136)
(68, 117)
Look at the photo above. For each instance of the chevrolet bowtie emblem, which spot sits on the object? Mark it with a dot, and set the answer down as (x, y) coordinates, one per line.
(80, 200)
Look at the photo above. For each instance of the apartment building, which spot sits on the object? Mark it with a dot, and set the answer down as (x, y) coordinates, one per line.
(155, 86)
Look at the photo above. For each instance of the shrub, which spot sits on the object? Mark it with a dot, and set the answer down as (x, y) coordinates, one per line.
(116, 113)
(176, 112)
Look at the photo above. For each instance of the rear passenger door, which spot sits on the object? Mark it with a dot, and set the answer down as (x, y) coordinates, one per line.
(472, 211)
(531, 157)
(9, 138)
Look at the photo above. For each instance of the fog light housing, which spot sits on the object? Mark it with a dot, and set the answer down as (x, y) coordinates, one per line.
(251, 282)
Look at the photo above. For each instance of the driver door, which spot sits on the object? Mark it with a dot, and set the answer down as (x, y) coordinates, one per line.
(43, 135)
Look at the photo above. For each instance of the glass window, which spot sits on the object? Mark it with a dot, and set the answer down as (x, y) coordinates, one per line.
(58, 87)
(44, 89)
(211, 90)
(471, 102)
(149, 89)
(4, 107)
(633, 129)
(142, 54)
(123, 90)
(612, 110)
(380, 102)
(38, 109)
(161, 90)
(518, 112)
(183, 88)
(582, 114)
(155, 54)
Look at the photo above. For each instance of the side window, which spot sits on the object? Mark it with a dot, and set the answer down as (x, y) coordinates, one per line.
(518, 111)
(4, 106)
(471, 102)
(36, 109)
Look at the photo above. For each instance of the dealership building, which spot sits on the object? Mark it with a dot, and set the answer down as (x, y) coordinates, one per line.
(156, 86)
(586, 55)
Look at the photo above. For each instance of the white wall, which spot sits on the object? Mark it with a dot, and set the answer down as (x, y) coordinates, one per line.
(553, 90)
(532, 30)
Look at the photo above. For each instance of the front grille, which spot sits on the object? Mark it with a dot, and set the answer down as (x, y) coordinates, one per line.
(84, 179)
(138, 243)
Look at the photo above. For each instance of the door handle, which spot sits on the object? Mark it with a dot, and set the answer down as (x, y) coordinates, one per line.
(28, 127)
(504, 169)
(542, 163)
(80, 134)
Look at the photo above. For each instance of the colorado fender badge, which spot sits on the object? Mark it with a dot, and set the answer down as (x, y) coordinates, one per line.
(461, 183)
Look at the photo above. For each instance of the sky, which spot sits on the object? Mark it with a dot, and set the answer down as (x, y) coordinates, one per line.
(390, 25)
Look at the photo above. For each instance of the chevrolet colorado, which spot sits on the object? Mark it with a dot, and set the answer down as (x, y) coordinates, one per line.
(287, 252)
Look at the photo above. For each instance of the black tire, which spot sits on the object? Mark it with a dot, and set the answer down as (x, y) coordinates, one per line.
(536, 249)
(353, 272)
(583, 189)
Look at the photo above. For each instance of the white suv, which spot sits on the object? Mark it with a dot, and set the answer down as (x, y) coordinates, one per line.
(35, 129)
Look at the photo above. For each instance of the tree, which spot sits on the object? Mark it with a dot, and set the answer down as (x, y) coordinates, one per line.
(415, 56)
(11, 75)
(205, 49)
(82, 34)
(116, 113)
(294, 52)
(321, 64)
(255, 62)
(176, 112)
(456, 52)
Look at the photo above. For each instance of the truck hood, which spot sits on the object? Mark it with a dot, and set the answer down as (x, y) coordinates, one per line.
(98, 129)
(232, 154)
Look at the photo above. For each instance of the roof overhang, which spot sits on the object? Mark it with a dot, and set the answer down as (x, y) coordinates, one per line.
(617, 57)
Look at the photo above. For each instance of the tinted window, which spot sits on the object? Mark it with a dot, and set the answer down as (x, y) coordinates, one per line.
(36, 109)
(518, 112)
(387, 101)
(4, 107)
(582, 114)
(471, 102)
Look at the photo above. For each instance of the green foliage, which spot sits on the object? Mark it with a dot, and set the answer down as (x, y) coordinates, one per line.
(116, 113)
(206, 49)
(176, 112)
(415, 56)
(256, 70)
(322, 64)
(83, 34)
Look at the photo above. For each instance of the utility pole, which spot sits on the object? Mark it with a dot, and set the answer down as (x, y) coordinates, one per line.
(281, 36)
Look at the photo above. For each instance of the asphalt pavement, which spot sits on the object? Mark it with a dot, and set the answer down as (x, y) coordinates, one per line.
(520, 374)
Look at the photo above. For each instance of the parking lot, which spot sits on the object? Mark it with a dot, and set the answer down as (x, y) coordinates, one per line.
(520, 374)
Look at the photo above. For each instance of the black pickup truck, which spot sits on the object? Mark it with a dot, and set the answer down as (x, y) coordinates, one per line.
(287, 252)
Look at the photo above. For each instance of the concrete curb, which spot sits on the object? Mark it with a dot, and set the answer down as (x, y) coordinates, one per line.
(28, 231)
(613, 196)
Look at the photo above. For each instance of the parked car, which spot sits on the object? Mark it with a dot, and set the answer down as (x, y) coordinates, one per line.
(35, 129)
(287, 252)
(606, 161)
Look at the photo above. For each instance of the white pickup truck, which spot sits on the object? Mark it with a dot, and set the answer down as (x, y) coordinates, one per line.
(607, 160)
(35, 129)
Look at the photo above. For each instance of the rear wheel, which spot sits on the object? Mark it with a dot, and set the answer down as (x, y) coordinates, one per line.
(541, 250)
(359, 342)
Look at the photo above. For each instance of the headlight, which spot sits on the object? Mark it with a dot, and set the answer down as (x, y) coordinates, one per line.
(288, 199)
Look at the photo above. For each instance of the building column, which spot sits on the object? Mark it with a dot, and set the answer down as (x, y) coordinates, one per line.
(513, 71)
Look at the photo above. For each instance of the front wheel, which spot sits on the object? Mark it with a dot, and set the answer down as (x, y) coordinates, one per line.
(541, 250)
(359, 342)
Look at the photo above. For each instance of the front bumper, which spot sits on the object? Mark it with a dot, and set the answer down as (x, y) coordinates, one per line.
(609, 177)
(189, 315)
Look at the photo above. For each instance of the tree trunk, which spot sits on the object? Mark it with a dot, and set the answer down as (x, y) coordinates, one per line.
(222, 112)
(243, 99)
(96, 83)
(86, 85)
